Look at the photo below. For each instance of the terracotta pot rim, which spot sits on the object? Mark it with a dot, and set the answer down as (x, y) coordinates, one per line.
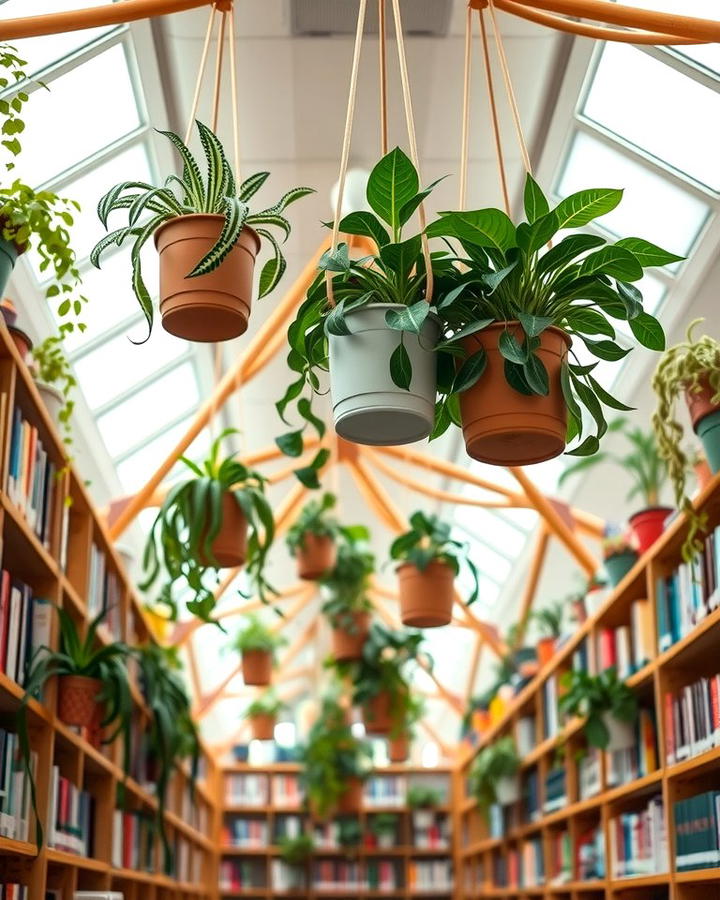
(495, 326)
(437, 563)
(186, 216)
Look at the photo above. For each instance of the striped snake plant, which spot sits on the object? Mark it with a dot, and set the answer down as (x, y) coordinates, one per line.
(215, 194)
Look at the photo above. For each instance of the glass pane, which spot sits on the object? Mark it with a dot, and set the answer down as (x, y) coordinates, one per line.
(84, 111)
(136, 469)
(652, 207)
(707, 55)
(40, 52)
(659, 109)
(114, 367)
(151, 408)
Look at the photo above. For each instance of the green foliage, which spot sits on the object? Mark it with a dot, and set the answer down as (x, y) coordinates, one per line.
(52, 368)
(495, 761)
(255, 635)
(348, 583)
(593, 696)
(296, 851)
(420, 796)
(314, 519)
(384, 823)
(429, 540)
(13, 81)
(179, 546)
(267, 704)
(86, 656)
(685, 367)
(550, 619)
(216, 194)
(349, 832)
(331, 757)
(642, 463)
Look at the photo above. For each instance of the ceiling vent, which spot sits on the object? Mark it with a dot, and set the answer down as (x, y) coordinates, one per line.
(329, 17)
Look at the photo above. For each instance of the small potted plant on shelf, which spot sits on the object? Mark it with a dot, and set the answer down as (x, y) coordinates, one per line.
(262, 714)
(350, 835)
(607, 704)
(347, 605)
(648, 472)
(401, 731)
(423, 800)
(296, 852)
(55, 380)
(550, 623)
(690, 369)
(312, 539)
(430, 560)
(384, 826)
(516, 311)
(334, 763)
(257, 645)
(203, 526)
(619, 556)
(495, 774)
(204, 233)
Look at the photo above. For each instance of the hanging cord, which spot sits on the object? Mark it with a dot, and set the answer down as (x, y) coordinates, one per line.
(382, 49)
(201, 73)
(462, 202)
(218, 73)
(494, 114)
(234, 97)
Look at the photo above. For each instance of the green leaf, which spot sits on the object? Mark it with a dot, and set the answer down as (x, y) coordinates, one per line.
(589, 321)
(588, 447)
(540, 232)
(605, 350)
(648, 331)
(400, 258)
(308, 475)
(305, 409)
(631, 299)
(409, 208)
(274, 268)
(484, 228)
(515, 377)
(335, 321)
(400, 367)
(536, 375)
(470, 372)
(392, 183)
(410, 318)
(534, 325)
(291, 443)
(581, 208)
(337, 260)
(536, 205)
(567, 250)
(235, 212)
(252, 185)
(511, 349)
(648, 254)
(614, 261)
(607, 398)
(570, 401)
(366, 225)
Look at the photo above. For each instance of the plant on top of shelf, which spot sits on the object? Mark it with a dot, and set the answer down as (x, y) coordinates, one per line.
(691, 369)
(604, 700)
(296, 851)
(347, 605)
(56, 381)
(516, 311)
(648, 473)
(258, 645)
(549, 620)
(93, 689)
(421, 796)
(203, 230)
(334, 762)
(350, 833)
(385, 828)
(203, 526)
(312, 538)
(262, 714)
(430, 559)
(173, 734)
(619, 555)
(494, 776)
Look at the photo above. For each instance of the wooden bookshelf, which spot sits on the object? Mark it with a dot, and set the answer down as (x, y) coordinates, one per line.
(403, 853)
(694, 655)
(96, 769)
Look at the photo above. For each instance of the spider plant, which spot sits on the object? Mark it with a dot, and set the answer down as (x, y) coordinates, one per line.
(216, 194)
(179, 545)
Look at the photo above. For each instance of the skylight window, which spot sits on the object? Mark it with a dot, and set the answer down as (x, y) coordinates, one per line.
(706, 55)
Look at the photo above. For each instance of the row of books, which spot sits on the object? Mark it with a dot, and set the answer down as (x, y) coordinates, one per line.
(430, 875)
(245, 833)
(246, 789)
(639, 757)
(15, 798)
(692, 719)
(589, 769)
(240, 874)
(14, 892)
(104, 593)
(188, 861)
(686, 596)
(192, 810)
(434, 837)
(638, 841)
(25, 623)
(32, 483)
(286, 790)
(526, 867)
(71, 816)
(560, 856)
(288, 826)
(385, 790)
(555, 790)
(383, 875)
(628, 647)
(133, 841)
(338, 874)
(697, 832)
(589, 859)
(525, 735)
(531, 796)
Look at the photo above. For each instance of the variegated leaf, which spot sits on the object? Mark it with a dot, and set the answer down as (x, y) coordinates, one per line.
(191, 170)
(235, 215)
(216, 172)
(265, 218)
(274, 268)
(252, 185)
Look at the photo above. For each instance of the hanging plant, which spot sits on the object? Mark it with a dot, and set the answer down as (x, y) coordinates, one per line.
(690, 369)
(516, 311)
(313, 536)
(402, 729)
(347, 605)
(430, 560)
(257, 645)
(219, 518)
(262, 714)
(204, 233)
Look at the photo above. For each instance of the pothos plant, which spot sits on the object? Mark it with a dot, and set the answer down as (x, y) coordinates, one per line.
(12, 80)
(52, 368)
(428, 540)
(347, 584)
(594, 697)
(216, 193)
(580, 286)
(315, 519)
(494, 762)
(255, 635)
(179, 545)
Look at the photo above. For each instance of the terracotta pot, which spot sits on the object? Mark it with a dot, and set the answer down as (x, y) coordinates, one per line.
(8, 310)
(77, 700)
(426, 597)
(376, 714)
(21, 340)
(545, 650)
(348, 644)
(648, 525)
(263, 727)
(350, 801)
(700, 402)
(399, 748)
(481, 720)
(212, 307)
(257, 667)
(503, 427)
(229, 548)
(316, 556)
(703, 474)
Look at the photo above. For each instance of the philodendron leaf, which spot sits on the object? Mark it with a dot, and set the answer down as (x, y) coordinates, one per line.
(584, 206)
(483, 227)
(400, 367)
(614, 261)
(589, 447)
(400, 258)
(536, 204)
(337, 260)
(409, 208)
(367, 225)
(589, 321)
(511, 349)
(516, 378)
(308, 475)
(648, 331)
(392, 183)
(335, 321)
(410, 318)
(606, 350)
(631, 298)
(470, 371)
(568, 249)
(534, 325)
(536, 375)
(291, 443)
(648, 254)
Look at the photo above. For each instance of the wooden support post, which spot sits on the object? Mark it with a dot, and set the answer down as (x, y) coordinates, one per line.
(533, 577)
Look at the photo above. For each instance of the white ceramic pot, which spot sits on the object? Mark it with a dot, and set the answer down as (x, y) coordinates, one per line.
(53, 400)
(368, 407)
(423, 819)
(622, 734)
(386, 841)
(507, 790)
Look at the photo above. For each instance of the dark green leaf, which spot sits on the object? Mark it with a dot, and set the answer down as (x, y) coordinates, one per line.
(607, 398)
(485, 228)
(534, 325)
(400, 258)
(648, 254)
(648, 331)
(631, 298)
(470, 371)
(581, 208)
(614, 261)
(511, 349)
(400, 367)
(366, 224)
(606, 350)
(392, 183)
(589, 321)
(536, 204)
(589, 447)
(515, 377)
(410, 318)
(568, 249)
(291, 443)
(536, 375)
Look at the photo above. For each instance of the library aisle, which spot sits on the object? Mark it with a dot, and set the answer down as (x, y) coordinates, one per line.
(359, 450)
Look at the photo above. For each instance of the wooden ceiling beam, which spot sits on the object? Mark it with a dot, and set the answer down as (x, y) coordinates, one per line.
(531, 585)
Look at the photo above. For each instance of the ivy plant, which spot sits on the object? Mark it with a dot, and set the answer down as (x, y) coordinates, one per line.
(593, 697)
(13, 79)
(216, 193)
(314, 519)
(179, 545)
(495, 761)
(52, 367)
(346, 586)
(428, 540)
